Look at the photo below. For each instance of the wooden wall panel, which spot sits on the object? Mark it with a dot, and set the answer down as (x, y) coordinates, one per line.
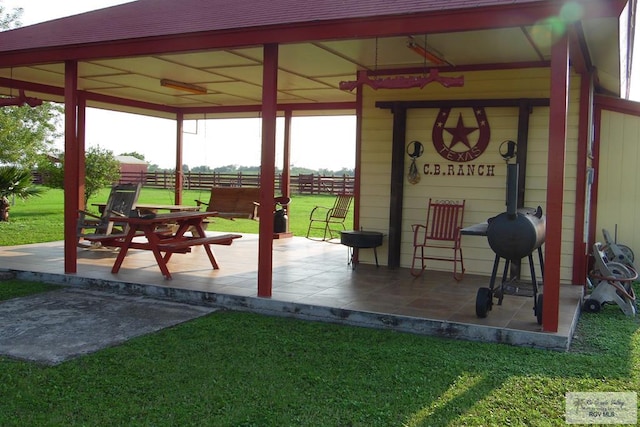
(618, 177)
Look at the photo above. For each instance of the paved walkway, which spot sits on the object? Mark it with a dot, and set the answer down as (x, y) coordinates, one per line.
(55, 326)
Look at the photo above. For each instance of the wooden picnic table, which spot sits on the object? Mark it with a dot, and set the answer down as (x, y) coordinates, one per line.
(154, 232)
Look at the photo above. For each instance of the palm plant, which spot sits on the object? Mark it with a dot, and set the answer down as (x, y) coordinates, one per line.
(15, 182)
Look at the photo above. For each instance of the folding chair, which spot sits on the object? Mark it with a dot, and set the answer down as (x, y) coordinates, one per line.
(322, 218)
(122, 200)
(441, 231)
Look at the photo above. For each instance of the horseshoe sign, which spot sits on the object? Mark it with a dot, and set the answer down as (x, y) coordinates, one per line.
(462, 143)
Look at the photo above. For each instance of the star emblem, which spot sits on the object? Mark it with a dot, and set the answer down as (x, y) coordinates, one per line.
(460, 133)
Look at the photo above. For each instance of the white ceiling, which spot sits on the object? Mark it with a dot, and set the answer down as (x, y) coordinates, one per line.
(309, 72)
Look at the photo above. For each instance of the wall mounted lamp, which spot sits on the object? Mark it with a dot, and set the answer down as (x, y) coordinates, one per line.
(187, 87)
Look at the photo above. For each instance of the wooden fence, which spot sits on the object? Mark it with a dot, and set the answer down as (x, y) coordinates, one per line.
(300, 184)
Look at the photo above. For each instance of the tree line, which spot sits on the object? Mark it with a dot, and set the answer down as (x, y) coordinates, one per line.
(228, 169)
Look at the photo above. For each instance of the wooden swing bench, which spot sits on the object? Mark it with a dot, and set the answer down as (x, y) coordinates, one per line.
(233, 202)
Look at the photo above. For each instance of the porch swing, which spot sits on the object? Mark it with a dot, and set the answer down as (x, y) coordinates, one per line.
(236, 201)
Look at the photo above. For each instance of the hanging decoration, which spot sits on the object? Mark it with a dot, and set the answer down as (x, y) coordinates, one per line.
(403, 82)
(414, 150)
(20, 100)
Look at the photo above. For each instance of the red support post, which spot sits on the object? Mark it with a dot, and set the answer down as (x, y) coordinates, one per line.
(267, 168)
(558, 108)
(71, 169)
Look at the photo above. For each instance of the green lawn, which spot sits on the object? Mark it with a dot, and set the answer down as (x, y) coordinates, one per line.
(242, 369)
(41, 219)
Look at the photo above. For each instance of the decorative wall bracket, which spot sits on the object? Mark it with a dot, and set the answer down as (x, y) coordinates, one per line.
(20, 101)
(403, 82)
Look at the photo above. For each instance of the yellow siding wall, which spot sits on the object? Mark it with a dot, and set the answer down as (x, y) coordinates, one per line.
(484, 195)
(618, 178)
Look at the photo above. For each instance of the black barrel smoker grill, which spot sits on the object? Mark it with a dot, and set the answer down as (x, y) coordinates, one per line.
(513, 235)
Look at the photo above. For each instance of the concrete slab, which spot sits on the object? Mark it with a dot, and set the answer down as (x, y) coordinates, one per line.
(55, 326)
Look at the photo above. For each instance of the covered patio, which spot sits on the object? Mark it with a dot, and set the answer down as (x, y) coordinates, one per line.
(312, 281)
(536, 66)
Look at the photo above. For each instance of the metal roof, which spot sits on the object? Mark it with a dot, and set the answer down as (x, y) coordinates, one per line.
(154, 18)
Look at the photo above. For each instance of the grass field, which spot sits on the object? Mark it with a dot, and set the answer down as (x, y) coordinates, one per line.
(41, 219)
(242, 369)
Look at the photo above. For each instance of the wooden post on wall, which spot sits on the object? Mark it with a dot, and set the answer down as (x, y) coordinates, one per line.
(358, 169)
(397, 186)
(523, 142)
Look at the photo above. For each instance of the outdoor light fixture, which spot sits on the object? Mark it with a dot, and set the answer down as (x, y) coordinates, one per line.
(187, 87)
(422, 51)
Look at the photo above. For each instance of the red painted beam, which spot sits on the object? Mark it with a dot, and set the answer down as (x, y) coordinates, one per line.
(558, 107)
(619, 105)
(257, 108)
(267, 168)
(29, 86)
(96, 97)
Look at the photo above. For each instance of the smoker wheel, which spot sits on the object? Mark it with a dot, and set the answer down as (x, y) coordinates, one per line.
(538, 309)
(483, 302)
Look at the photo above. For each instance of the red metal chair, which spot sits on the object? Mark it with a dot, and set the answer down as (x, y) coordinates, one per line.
(441, 231)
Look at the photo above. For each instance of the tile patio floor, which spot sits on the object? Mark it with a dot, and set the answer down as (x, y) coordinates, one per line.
(312, 280)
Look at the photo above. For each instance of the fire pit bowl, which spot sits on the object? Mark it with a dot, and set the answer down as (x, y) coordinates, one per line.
(361, 240)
